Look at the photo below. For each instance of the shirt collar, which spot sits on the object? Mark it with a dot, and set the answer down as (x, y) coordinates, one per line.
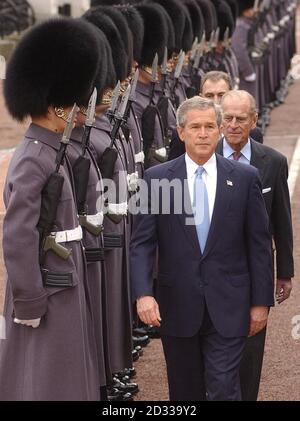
(228, 151)
(210, 166)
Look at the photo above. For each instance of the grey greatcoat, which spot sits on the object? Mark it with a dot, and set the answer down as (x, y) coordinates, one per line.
(240, 48)
(142, 99)
(94, 247)
(57, 360)
(116, 258)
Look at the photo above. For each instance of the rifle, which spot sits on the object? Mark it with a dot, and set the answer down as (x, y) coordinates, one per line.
(108, 159)
(114, 102)
(81, 170)
(164, 71)
(177, 74)
(51, 194)
(131, 98)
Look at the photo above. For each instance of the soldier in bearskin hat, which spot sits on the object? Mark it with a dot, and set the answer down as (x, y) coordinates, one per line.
(47, 306)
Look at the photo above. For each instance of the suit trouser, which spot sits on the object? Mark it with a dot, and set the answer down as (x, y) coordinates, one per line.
(205, 366)
(251, 365)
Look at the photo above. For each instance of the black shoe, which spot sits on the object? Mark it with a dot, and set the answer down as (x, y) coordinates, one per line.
(139, 331)
(127, 397)
(139, 349)
(132, 388)
(130, 372)
(135, 355)
(122, 377)
(114, 394)
(140, 340)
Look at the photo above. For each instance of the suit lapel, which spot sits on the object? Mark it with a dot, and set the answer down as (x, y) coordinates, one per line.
(224, 191)
(258, 159)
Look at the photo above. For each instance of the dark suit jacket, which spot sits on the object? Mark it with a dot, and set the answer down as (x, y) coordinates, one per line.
(235, 270)
(273, 171)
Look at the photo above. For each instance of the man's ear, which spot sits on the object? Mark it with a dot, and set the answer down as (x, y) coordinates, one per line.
(180, 131)
(254, 123)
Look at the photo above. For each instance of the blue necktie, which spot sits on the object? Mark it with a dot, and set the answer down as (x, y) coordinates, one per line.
(200, 208)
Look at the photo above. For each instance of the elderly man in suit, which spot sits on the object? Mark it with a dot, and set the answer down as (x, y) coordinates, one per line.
(215, 268)
(239, 117)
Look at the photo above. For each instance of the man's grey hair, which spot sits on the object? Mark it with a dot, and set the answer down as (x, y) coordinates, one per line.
(240, 94)
(197, 103)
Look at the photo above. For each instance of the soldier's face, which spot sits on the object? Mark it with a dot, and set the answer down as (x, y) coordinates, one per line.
(200, 134)
(214, 90)
(237, 120)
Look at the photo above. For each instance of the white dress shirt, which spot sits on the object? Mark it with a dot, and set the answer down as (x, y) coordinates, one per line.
(209, 177)
(245, 152)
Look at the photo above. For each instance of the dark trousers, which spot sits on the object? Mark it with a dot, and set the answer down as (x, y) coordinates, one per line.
(251, 365)
(205, 366)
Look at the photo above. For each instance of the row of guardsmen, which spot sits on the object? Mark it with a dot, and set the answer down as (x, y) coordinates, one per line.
(127, 66)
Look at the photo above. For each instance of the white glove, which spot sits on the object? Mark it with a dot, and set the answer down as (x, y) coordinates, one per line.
(33, 322)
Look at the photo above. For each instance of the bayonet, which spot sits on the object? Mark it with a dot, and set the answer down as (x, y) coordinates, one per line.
(217, 36)
(179, 65)
(226, 38)
(70, 125)
(165, 62)
(197, 59)
(90, 117)
(194, 49)
(133, 84)
(211, 40)
(90, 113)
(154, 69)
(123, 103)
(66, 137)
(256, 6)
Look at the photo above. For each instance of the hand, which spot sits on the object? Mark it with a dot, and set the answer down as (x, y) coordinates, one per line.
(148, 311)
(283, 289)
(33, 322)
(258, 319)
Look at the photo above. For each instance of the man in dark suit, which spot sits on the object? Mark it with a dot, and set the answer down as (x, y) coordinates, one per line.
(239, 118)
(214, 85)
(215, 268)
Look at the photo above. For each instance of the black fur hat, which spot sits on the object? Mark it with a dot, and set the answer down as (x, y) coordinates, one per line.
(196, 18)
(95, 3)
(208, 13)
(136, 26)
(244, 5)
(225, 18)
(188, 36)
(55, 63)
(113, 36)
(121, 23)
(174, 10)
(234, 8)
(155, 33)
(106, 75)
(171, 32)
